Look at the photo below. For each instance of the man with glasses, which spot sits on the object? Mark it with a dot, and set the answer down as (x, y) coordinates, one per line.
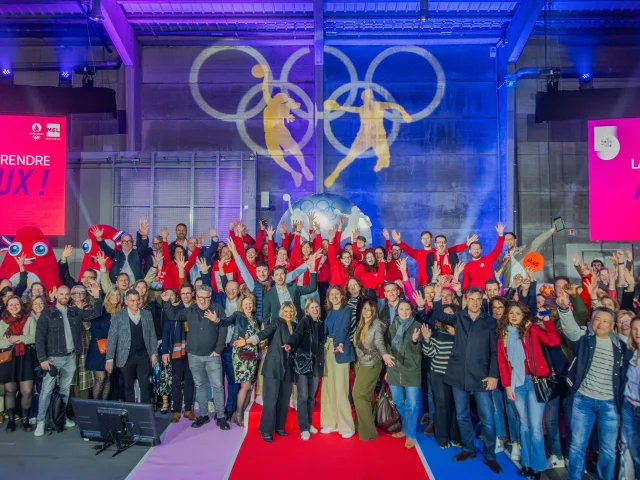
(129, 260)
(205, 344)
(89, 275)
(174, 351)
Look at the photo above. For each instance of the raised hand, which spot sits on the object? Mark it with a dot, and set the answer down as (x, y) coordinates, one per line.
(312, 219)
(396, 236)
(343, 220)
(157, 258)
(629, 255)
(20, 259)
(164, 232)
(212, 232)
(201, 238)
(571, 289)
(385, 234)
(458, 270)
(402, 265)
(270, 232)
(517, 280)
(435, 271)
(101, 258)
(562, 300)
(331, 234)
(94, 289)
(575, 258)
(438, 289)
(67, 252)
(53, 293)
(620, 256)
(472, 238)
(144, 227)
(180, 263)
(165, 296)
(311, 262)
(416, 335)
(211, 316)
(283, 228)
(419, 299)
(232, 246)
(97, 232)
(426, 332)
(232, 225)
(202, 265)
(500, 229)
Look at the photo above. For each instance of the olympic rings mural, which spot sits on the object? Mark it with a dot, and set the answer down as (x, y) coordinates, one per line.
(281, 109)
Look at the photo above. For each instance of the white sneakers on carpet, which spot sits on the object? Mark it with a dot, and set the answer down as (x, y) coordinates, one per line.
(499, 445)
(347, 435)
(328, 430)
(68, 423)
(39, 429)
(313, 429)
(555, 462)
(516, 454)
(259, 400)
(305, 436)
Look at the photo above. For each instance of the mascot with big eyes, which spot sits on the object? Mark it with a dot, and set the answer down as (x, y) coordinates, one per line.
(40, 261)
(90, 247)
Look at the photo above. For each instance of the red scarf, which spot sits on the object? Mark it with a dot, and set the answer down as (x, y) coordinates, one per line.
(444, 263)
(16, 326)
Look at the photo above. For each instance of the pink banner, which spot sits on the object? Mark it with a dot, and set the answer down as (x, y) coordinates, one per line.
(614, 179)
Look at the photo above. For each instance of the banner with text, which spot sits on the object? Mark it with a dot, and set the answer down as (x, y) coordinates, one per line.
(614, 179)
(33, 157)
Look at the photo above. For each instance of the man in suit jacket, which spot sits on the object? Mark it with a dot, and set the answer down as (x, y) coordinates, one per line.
(129, 260)
(133, 343)
(281, 292)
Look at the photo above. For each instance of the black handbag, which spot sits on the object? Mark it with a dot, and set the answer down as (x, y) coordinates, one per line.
(303, 361)
(385, 413)
(540, 384)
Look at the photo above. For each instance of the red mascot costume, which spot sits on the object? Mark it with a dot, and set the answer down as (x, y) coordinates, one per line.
(90, 247)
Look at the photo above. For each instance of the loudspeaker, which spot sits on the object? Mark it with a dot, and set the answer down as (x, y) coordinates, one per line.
(265, 200)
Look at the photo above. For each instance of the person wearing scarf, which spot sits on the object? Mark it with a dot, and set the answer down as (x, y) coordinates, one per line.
(404, 378)
(521, 361)
(17, 334)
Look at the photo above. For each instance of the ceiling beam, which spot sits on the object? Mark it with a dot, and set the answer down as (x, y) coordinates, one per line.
(521, 26)
(121, 34)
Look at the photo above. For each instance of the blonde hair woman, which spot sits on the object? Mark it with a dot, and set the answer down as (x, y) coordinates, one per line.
(308, 341)
(276, 371)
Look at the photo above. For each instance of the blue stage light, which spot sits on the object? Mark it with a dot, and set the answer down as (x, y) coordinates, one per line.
(6, 72)
(65, 79)
(585, 77)
(586, 81)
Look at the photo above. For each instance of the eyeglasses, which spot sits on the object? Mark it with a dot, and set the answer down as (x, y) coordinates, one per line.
(127, 241)
(78, 294)
(203, 298)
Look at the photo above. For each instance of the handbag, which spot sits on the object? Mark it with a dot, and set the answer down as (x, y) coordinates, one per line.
(102, 345)
(385, 413)
(6, 355)
(540, 384)
(246, 355)
(303, 361)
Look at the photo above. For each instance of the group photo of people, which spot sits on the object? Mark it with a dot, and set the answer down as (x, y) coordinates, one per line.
(475, 346)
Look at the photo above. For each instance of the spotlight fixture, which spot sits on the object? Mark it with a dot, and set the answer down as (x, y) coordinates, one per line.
(65, 79)
(423, 13)
(94, 12)
(585, 81)
(553, 82)
(7, 76)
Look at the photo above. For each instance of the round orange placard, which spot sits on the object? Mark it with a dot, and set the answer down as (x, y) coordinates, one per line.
(533, 261)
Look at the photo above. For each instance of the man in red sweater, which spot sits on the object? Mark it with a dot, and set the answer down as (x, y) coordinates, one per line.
(480, 269)
(420, 256)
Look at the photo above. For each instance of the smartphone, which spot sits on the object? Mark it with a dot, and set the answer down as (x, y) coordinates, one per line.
(484, 384)
(544, 313)
(559, 223)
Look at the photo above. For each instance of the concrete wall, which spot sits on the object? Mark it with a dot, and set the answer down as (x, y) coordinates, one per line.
(552, 163)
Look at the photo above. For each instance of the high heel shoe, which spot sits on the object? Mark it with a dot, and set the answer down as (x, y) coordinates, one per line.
(165, 404)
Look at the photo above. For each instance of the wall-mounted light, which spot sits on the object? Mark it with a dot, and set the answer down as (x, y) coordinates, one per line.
(585, 81)
(6, 77)
(423, 13)
(65, 79)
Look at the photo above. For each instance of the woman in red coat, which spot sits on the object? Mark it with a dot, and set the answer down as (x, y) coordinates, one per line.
(521, 362)
(342, 269)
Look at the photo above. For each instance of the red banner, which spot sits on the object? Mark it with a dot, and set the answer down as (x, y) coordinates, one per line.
(33, 163)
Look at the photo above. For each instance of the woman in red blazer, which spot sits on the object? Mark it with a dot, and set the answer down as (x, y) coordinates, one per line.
(521, 360)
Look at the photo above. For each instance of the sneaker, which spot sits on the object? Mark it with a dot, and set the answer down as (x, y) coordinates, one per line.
(39, 429)
(68, 423)
(305, 435)
(259, 399)
(516, 455)
(499, 445)
(32, 421)
(555, 462)
(328, 430)
(211, 407)
(347, 435)
(313, 429)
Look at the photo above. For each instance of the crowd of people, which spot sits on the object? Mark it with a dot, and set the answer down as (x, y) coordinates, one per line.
(477, 342)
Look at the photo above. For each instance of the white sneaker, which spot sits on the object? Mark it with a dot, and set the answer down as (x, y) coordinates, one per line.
(68, 423)
(211, 406)
(259, 399)
(347, 435)
(499, 445)
(555, 462)
(39, 429)
(305, 435)
(313, 429)
(328, 430)
(32, 421)
(516, 454)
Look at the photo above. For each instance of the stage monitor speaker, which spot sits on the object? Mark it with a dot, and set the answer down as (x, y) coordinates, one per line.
(30, 100)
(265, 200)
(591, 104)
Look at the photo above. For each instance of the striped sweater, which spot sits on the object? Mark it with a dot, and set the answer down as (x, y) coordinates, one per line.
(439, 349)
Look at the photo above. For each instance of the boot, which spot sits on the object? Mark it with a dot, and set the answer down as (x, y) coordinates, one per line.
(24, 421)
(11, 417)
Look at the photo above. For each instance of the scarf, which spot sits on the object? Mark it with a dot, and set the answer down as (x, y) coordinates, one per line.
(444, 263)
(16, 327)
(515, 353)
(402, 326)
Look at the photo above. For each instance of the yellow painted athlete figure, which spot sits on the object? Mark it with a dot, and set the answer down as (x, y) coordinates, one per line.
(277, 136)
(371, 134)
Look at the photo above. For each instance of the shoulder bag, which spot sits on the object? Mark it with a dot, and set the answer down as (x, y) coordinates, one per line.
(303, 361)
(385, 413)
(6, 355)
(540, 384)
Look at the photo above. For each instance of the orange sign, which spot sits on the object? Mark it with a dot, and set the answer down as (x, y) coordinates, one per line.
(533, 261)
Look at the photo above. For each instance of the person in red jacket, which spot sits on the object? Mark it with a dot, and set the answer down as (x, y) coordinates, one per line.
(480, 269)
(341, 270)
(521, 361)
(371, 273)
(420, 256)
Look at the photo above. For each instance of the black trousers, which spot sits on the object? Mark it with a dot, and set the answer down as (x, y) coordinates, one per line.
(275, 404)
(424, 385)
(180, 372)
(445, 417)
(307, 387)
(138, 367)
(322, 291)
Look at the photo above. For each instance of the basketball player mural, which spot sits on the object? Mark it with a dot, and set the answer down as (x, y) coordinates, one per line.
(371, 134)
(277, 136)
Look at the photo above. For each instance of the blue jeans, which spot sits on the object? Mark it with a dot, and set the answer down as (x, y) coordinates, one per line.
(498, 413)
(552, 419)
(531, 435)
(232, 386)
(512, 418)
(66, 366)
(485, 411)
(586, 411)
(631, 430)
(208, 371)
(407, 401)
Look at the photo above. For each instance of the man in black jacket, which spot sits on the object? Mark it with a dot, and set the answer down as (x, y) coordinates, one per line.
(58, 341)
(473, 368)
(282, 292)
(129, 260)
(205, 344)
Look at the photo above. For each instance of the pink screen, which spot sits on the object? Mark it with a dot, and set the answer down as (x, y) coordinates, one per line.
(33, 157)
(614, 179)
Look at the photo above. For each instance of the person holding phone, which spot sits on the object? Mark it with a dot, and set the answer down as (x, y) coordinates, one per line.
(472, 368)
(514, 254)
